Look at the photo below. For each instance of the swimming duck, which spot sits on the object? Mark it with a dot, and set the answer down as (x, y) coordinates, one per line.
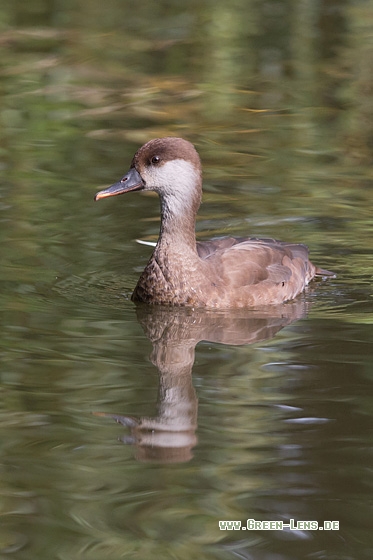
(230, 272)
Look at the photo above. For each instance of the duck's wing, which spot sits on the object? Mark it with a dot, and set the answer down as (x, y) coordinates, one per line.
(256, 271)
(273, 247)
(206, 249)
(272, 270)
(257, 259)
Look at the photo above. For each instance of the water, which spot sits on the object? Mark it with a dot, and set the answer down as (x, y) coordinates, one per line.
(129, 432)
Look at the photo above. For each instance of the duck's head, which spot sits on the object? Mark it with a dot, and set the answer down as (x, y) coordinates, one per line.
(169, 166)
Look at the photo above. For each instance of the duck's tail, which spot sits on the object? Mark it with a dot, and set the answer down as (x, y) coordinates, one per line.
(324, 273)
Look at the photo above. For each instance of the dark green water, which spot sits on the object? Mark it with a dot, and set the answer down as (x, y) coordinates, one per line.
(229, 416)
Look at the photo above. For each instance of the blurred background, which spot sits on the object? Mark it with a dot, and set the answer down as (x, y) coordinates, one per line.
(269, 418)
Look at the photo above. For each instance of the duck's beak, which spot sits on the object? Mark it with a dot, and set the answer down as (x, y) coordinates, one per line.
(132, 181)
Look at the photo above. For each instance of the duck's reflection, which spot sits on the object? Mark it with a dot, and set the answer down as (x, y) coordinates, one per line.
(170, 436)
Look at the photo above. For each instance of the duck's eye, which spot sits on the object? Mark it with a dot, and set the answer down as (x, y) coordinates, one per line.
(155, 160)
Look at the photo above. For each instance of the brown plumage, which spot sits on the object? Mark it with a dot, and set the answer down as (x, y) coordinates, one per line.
(222, 273)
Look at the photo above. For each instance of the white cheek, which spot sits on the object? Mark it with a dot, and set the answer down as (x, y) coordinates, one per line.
(175, 181)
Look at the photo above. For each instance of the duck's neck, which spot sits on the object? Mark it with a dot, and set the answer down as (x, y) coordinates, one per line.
(177, 231)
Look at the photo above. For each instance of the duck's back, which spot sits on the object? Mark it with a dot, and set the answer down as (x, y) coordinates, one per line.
(255, 272)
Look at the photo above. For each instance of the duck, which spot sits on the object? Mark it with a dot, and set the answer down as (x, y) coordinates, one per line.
(223, 273)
